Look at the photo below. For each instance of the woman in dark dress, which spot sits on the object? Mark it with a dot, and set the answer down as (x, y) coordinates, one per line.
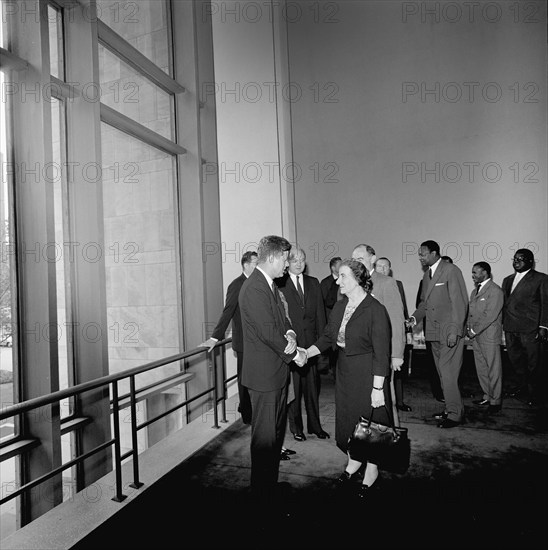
(359, 325)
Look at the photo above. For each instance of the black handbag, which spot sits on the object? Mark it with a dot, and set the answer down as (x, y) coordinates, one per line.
(386, 446)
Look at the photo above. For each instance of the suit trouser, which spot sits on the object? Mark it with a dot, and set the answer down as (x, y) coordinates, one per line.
(489, 369)
(306, 383)
(267, 435)
(524, 351)
(243, 393)
(448, 364)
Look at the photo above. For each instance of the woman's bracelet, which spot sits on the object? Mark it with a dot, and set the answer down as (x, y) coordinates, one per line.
(379, 389)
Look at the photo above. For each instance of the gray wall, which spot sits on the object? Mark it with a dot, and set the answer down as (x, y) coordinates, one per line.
(361, 120)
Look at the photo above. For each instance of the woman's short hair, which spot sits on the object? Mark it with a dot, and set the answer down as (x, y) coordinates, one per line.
(360, 273)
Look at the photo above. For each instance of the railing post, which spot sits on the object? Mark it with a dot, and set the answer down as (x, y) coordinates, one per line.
(213, 364)
(136, 483)
(223, 400)
(117, 454)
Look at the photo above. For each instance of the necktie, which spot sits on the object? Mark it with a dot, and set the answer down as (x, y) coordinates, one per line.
(300, 289)
(430, 273)
(275, 291)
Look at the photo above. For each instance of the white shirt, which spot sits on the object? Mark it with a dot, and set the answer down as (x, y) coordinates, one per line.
(517, 279)
(434, 267)
(481, 284)
(294, 279)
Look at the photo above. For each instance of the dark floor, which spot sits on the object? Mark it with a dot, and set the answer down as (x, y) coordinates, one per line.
(481, 485)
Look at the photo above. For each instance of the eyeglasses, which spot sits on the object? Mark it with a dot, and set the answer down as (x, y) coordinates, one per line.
(519, 259)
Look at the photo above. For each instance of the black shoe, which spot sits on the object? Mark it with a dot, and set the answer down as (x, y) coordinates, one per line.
(440, 416)
(284, 456)
(492, 409)
(364, 490)
(321, 434)
(299, 437)
(346, 477)
(439, 399)
(448, 423)
(404, 407)
(288, 451)
(481, 401)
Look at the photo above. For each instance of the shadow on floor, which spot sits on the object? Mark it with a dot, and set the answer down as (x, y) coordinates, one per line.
(482, 485)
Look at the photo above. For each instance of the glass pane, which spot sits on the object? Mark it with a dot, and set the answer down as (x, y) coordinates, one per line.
(8, 321)
(8, 511)
(56, 49)
(144, 312)
(133, 95)
(4, 24)
(144, 24)
(60, 253)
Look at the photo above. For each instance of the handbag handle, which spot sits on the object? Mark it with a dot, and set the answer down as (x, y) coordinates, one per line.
(387, 413)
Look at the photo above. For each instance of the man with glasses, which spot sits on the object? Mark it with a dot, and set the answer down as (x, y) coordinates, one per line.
(525, 323)
(444, 305)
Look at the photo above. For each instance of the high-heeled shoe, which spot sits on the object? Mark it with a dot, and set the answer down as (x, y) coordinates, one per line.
(364, 490)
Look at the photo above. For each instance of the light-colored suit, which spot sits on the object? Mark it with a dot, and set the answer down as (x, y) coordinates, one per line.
(385, 290)
(444, 304)
(485, 320)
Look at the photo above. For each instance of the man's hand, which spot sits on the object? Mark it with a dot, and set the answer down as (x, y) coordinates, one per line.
(301, 358)
(410, 323)
(543, 334)
(396, 363)
(291, 338)
(451, 340)
(210, 344)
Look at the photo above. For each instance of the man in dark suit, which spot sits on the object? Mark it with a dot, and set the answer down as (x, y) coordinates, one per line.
(269, 346)
(330, 291)
(484, 329)
(231, 312)
(444, 305)
(384, 266)
(525, 322)
(306, 311)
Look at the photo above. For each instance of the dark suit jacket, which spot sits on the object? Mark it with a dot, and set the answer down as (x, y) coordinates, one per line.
(485, 313)
(264, 324)
(308, 321)
(368, 331)
(526, 308)
(444, 303)
(230, 312)
(329, 293)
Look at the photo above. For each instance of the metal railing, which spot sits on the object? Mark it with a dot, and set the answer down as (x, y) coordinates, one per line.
(20, 444)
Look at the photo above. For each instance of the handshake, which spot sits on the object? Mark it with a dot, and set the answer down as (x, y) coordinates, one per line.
(302, 356)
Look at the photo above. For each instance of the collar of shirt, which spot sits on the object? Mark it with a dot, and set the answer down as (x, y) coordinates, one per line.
(482, 284)
(268, 278)
(435, 266)
(519, 276)
(294, 279)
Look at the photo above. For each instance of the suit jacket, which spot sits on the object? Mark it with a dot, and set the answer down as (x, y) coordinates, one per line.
(329, 293)
(485, 313)
(367, 331)
(403, 299)
(308, 320)
(444, 303)
(264, 323)
(230, 312)
(526, 308)
(385, 290)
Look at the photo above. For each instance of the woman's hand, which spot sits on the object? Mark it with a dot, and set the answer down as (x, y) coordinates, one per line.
(377, 398)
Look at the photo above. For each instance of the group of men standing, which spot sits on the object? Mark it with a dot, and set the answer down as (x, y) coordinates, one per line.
(277, 311)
